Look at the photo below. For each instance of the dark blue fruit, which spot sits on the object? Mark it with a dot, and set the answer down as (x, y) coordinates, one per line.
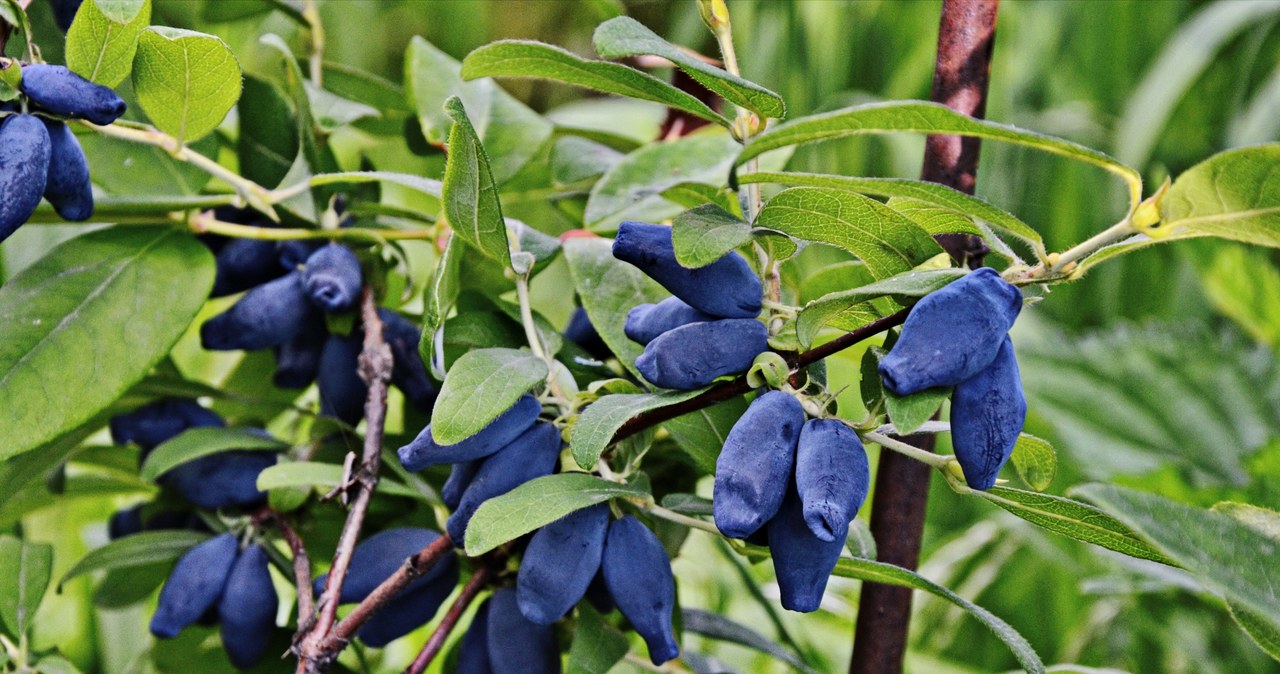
(298, 360)
(408, 373)
(518, 644)
(57, 90)
(952, 334)
(64, 12)
(560, 562)
(987, 413)
(802, 562)
(412, 608)
(726, 288)
(67, 187)
(331, 277)
(242, 264)
(580, 331)
(270, 314)
(692, 356)
(473, 652)
(645, 322)
(754, 468)
(247, 609)
(156, 422)
(24, 168)
(342, 391)
(222, 480)
(638, 575)
(530, 456)
(424, 451)
(382, 554)
(832, 477)
(194, 585)
(459, 479)
(125, 522)
(291, 255)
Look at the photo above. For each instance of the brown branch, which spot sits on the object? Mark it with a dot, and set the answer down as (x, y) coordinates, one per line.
(965, 37)
(414, 567)
(436, 641)
(301, 561)
(314, 653)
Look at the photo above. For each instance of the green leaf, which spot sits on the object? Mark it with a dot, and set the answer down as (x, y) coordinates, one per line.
(470, 195)
(427, 186)
(1232, 195)
(706, 234)
(909, 413)
(1073, 519)
(931, 193)
(140, 549)
(112, 289)
(104, 38)
(481, 385)
(609, 288)
(511, 132)
(692, 195)
(701, 433)
(597, 645)
(1243, 285)
(624, 36)
(632, 188)
(1263, 631)
(1220, 551)
(439, 298)
(198, 442)
(537, 503)
(332, 112)
(715, 626)
(25, 569)
(886, 240)
(269, 142)
(597, 424)
(526, 58)
(324, 476)
(1035, 461)
(136, 176)
(185, 81)
(928, 118)
(851, 309)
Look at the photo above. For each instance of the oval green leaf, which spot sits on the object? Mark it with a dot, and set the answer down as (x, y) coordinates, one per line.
(325, 476)
(185, 81)
(707, 233)
(197, 442)
(103, 39)
(595, 428)
(470, 195)
(140, 549)
(1232, 195)
(25, 569)
(481, 385)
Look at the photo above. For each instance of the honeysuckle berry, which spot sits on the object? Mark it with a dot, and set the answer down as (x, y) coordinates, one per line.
(987, 414)
(726, 288)
(755, 466)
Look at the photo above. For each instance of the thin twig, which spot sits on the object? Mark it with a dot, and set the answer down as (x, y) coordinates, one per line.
(436, 641)
(414, 567)
(301, 565)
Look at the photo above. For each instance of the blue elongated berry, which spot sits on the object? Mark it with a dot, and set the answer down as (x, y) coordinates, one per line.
(64, 12)
(473, 652)
(952, 334)
(222, 480)
(342, 391)
(242, 264)
(67, 186)
(638, 574)
(580, 331)
(382, 554)
(560, 562)
(726, 288)
(194, 585)
(331, 277)
(270, 314)
(645, 322)
(517, 644)
(156, 422)
(247, 609)
(412, 608)
(754, 468)
(459, 479)
(24, 168)
(529, 456)
(424, 451)
(408, 373)
(57, 90)
(802, 562)
(291, 255)
(987, 413)
(692, 356)
(832, 477)
(298, 360)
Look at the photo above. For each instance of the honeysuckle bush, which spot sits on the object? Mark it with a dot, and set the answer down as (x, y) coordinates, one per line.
(486, 222)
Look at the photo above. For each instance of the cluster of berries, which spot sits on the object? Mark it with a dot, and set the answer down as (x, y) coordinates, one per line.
(39, 155)
(794, 485)
(708, 329)
(958, 336)
(291, 286)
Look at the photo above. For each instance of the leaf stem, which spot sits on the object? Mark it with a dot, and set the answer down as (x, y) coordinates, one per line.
(1116, 232)
(934, 460)
(207, 223)
(531, 334)
(691, 522)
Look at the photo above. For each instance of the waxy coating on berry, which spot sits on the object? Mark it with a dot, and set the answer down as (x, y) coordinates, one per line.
(952, 334)
(726, 288)
(378, 557)
(638, 574)
(270, 314)
(517, 644)
(298, 360)
(645, 322)
(473, 652)
(755, 466)
(194, 585)
(692, 356)
(247, 609)
(158, 421)
(987, 414)
(57, 90)
(460, 477)
(242, 264)
(25, 151)
(532, 455)
(560, 562)
(580, 331)
(342, 391)
(412, 608)
(832, 477)
(802, 562)
(331, 277)
(511, 424)
(408, 372)
(67, 188)
(222, 480)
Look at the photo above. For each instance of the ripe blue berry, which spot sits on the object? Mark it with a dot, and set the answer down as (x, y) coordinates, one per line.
(298, 360)
(580, 331)
(270, 314)
(67, 187)
(413, 607)
(194, 585)
(408, 373)
(24, 169)
(692, 356)
(459, 479)
(832, 477)
(987, 413)
(517, 644)
(242, 264)
(638, 575)
(560, 562)
(802, 562)
(222, 480)
(382, 554)
(332, 278)
(645, 322)
(529, 456)
(342, 391)
(155, 422)
(473, 652)
(247, 609)
(726, 288)
(755, 466)
(57, 90)
(424, 451)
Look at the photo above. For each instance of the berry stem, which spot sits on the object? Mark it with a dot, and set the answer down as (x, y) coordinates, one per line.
(925, 457)
(691, 522)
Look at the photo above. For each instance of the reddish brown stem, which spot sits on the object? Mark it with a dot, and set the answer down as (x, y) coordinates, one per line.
(965, 37)
(436, 641)
(301, 564)
(414, 567)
